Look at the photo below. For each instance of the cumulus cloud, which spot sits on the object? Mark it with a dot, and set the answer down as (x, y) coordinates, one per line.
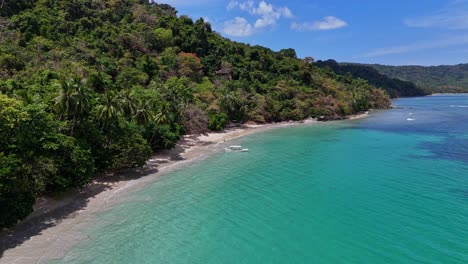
(328, 23)
(238, 27)
(267, 14)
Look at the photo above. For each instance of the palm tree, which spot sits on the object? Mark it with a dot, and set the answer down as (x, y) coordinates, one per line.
(184, 97)
(178, 92)
(233, 104)
(65, 100)
(228, 101)
(109, 108)
(26, 97)
(163, 114)
(83, 98)
(73, 100)
(129, 103)
(143, 113)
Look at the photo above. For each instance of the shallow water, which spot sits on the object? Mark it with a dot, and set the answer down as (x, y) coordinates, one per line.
(391, 188)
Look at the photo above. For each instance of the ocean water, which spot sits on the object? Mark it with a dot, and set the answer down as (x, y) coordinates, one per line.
(391, 188)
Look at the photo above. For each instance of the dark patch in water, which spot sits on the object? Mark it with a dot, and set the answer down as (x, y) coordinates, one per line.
(463, 193)
(450, 148)
(430, 117)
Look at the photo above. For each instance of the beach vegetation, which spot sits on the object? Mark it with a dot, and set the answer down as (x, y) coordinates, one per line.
(92, 86)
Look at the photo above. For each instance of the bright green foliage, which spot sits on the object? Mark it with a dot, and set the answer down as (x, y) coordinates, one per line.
(163, 38)
(218, 122)
(36, 157)
(109, 108)
(88, 86)
(11, 116)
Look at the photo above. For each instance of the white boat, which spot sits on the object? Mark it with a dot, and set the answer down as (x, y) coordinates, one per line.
(236, 149)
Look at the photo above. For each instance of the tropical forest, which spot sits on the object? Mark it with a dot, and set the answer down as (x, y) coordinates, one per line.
(93, 86)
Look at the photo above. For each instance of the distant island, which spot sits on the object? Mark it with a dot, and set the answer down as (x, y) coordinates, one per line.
(395, 87)
(407, 80)
(433, 79)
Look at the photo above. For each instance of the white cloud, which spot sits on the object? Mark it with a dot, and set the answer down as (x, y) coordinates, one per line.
(232, 5)
(443, 42)
(328, 23)
(245, 6)
(267, 14)
(286, 12)
(454, 16)
(238, 27)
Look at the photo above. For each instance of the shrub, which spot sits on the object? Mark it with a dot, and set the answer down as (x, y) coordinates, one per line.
(16, 190)
(162, 136)
(218, 122)
(130, 151)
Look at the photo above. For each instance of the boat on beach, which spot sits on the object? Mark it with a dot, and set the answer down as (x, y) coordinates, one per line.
(236, 149)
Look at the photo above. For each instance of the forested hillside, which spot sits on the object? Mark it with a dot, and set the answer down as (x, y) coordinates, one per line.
(433, 79)
(88, 86)
(394, 86)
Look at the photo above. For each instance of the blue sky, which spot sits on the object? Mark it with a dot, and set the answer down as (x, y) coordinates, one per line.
(398, 32)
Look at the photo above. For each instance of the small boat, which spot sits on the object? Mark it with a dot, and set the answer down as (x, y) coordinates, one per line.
(236, 149)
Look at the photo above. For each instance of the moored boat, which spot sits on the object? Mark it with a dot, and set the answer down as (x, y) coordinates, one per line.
(236, 149)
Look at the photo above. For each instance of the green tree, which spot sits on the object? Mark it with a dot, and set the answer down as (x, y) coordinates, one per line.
(178, 92)
(108, 108)
(129, 103)
(163, 38)
(218, 122)
(73, 100)
(163, 114)
(144, 112)
(16, 192)
(233, 105)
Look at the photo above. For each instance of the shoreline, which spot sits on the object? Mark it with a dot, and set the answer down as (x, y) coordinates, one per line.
(438, 94)
(56, 224)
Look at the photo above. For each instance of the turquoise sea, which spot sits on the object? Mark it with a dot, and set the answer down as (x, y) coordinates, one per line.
(391, 188)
